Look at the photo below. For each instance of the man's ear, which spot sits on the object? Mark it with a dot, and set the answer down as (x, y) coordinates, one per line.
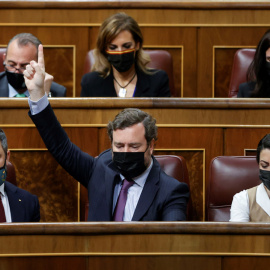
(152, 146)
(4, 57)
(8, 155)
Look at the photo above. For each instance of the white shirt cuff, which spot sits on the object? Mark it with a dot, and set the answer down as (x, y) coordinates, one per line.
(38, 106)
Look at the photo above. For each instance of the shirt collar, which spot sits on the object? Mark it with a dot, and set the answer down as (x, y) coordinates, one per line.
(13, 92)
(2, 189)
(141, 179)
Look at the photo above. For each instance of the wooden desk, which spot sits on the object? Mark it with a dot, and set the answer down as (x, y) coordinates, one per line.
(198, 129)
(135, 245)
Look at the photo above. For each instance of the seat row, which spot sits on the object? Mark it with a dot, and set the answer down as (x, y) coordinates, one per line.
(161, 59)
(228, 176)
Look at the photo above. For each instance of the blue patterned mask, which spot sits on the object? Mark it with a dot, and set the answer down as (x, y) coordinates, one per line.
(3, 174)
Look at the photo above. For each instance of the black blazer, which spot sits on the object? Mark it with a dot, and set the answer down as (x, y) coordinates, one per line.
(154, 85)
(163, 198)
(245, 89)
(57, 90)
(24, 206)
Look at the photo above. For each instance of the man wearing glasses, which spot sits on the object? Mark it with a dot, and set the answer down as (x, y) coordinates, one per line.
(21, 49)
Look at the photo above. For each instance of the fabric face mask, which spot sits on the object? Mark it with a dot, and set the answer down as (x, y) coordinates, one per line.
(16, 80)
(3, 174)
(267, 66)
(265, 178)
(129, 164)
(122, 61)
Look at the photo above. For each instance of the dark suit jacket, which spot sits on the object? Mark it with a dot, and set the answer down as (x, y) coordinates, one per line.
(24, 206)
(57, 90)
(245, 89)
(155, 85)
(163, 198)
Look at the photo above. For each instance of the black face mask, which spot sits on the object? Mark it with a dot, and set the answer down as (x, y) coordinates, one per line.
(267, 66)
(16, 80)
(129, 164)
(122, 61)
(265, 178)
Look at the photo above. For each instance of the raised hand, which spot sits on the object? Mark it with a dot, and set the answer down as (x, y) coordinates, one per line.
(34, 76)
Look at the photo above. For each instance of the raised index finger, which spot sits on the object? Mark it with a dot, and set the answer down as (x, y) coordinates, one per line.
(41, 56)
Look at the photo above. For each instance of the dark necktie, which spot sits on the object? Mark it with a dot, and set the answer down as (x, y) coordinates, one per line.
(2, 211)
(121, 202)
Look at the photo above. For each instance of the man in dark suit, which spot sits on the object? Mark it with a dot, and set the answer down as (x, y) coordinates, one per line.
(21, 49)
(16, 205)
(126, 177)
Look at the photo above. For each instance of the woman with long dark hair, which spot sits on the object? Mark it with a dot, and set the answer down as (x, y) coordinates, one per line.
(258, 74)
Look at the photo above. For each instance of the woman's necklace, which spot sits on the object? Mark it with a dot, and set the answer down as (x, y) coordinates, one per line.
(123, 90)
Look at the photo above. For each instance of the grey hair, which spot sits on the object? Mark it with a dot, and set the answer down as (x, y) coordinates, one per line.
(24, 39)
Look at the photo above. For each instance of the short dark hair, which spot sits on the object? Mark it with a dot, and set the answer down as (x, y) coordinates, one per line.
(131, 116)
(24, 39)
(263, 144)
(3, 141)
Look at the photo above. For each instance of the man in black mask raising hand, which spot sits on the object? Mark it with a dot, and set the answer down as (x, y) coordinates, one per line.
(124, 183)
(21, 49)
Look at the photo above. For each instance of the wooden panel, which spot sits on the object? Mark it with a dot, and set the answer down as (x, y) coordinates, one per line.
(59, 62)
(223, 61)
(38, 173)
(157, 245)
(168, 38)
(29, 138)
(44, 263)
(112, 263)
(156, 262)
(251, 263)
(240, 139)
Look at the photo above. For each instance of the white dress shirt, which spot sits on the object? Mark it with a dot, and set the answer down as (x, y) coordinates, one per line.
(12, 92)
(5, 202)
(240, 204)
(134, 193)
(38, 106)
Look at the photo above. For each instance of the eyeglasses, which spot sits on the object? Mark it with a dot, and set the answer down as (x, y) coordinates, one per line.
(14, 69)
